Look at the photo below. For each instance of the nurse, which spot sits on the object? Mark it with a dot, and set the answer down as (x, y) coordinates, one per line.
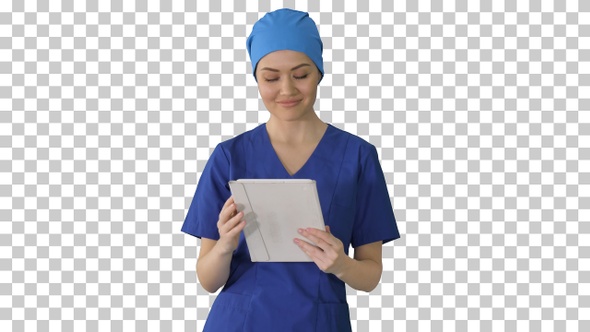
(286, 53)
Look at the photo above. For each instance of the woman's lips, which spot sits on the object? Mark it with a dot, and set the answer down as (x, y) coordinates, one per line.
(288, 103)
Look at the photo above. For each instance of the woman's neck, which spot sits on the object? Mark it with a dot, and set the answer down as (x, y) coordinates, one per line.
(296, 132)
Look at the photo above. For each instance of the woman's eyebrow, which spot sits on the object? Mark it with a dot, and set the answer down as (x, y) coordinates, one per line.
(276, 70)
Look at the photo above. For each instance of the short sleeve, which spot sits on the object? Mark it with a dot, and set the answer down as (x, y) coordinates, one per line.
(211, 193)
(374, 218)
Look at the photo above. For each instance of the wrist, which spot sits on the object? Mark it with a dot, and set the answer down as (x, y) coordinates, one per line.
(345, 266)
(222, 249)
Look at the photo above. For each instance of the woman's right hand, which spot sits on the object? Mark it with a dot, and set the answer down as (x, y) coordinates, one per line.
(229, 225)
(215, 256)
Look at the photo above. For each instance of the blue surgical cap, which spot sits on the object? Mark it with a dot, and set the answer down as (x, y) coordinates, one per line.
(285, 29)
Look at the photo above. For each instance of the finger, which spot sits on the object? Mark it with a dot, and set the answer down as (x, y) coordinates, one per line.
(328, 229)
(317, 241)
(227, 213)
(232, 222)
(227, 203)
(315, 253)
(321, 238)
(237, 228)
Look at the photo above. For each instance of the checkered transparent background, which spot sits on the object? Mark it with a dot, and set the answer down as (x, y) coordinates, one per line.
(480, 112)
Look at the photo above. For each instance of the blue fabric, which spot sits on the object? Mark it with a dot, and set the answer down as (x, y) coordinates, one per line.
(285, 29)
(293, 296)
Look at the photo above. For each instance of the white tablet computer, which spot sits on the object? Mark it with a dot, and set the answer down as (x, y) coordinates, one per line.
(274, 209)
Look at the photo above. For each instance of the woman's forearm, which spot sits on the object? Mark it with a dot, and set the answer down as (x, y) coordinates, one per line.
(361, 275)
(213, 269)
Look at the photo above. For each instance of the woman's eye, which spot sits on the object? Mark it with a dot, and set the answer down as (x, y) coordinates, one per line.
(276, 79)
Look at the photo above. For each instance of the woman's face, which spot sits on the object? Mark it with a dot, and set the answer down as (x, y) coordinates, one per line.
(287, 82)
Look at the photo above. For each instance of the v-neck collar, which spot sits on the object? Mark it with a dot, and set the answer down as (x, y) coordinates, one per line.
(279, 164)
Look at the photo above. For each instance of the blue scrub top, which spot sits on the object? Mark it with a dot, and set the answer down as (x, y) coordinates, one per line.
(293, 296)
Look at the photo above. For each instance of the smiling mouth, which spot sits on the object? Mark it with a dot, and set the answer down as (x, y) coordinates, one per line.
(289, 103)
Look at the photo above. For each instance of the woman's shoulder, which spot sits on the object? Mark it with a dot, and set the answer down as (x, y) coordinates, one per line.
(353, 141)
(239, 140)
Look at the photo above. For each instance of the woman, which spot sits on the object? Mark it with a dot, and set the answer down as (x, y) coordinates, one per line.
(286, 53)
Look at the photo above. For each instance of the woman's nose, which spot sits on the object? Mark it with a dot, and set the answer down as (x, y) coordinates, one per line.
(288, 87)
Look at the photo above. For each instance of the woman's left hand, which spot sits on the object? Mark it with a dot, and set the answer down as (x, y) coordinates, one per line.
(328, 253)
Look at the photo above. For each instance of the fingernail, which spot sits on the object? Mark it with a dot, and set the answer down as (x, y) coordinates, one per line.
(300, 230)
